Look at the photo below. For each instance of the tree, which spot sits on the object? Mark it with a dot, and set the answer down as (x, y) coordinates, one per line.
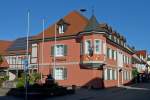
(135, 72)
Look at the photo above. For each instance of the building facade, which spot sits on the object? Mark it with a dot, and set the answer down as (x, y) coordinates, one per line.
(4, 66)
(82, 52)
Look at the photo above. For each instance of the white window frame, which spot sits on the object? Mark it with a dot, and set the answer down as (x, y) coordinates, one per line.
(61, 29)
(111, 74)
(115, 73)
(100, 46)
(104, 47)
(34, 50)
(105, 74)
(56, 52)
(115, 54)
(59, 77)
(86, 49)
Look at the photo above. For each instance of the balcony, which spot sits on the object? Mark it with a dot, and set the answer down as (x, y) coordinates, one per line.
(92, 64)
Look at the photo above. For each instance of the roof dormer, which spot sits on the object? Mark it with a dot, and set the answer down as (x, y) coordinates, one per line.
(62, 26)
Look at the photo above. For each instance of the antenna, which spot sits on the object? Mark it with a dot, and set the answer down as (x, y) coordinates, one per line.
(93, 10)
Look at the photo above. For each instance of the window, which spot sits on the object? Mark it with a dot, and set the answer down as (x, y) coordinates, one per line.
(113, 54)
(108, 52)
(34, 50)
(87, 46)
(59, 50)
(105, 74)
(130, 75)
(113, 74)
(104, 47)
(125, 59)
(115, 38)
(126, 75)
(110, 74)
(118, 41)
(19, 60)
(13, 60)
(61, 29)
(60, 73)
(110, 37)
(97, 46)
(81, 48)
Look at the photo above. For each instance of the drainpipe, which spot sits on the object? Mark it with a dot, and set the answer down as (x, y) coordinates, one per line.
(118, 76)
(122, 76)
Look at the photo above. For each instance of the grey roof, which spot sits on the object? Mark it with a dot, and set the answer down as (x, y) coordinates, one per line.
(93, 25)
(19, 44)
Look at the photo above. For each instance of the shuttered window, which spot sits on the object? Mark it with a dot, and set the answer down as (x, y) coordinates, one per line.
(113, 54)
(108, 53)
(59, 50)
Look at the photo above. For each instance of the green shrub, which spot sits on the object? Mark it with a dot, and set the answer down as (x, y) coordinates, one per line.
(135, 72)
(6, 78)
(34, 77)
(20, 83)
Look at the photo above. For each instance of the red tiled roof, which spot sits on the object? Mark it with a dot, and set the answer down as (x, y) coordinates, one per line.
(76, 22)
(141, 52)
(4, 46)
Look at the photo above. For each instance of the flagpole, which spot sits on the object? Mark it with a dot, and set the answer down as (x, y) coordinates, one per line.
(55, 51)
(43, 45)
(43, 41)
(27, 54)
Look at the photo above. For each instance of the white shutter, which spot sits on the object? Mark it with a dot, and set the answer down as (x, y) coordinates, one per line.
(104, 48)
(115, 73)
(105, 74)
(110, 74)
(115, 55)
(110, 53)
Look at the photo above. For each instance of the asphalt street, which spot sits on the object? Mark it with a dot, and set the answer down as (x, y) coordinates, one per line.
(139, 91)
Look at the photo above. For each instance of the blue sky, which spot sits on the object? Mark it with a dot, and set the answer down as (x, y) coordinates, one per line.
(128, 17)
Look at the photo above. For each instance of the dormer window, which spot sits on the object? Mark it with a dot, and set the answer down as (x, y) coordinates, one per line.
(61, 29)
(62, 26)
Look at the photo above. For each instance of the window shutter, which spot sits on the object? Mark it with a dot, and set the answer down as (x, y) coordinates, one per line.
(52, 50)
(65, 73)
(107, 52)
(65, 50)
(52, 72)
(81, 48)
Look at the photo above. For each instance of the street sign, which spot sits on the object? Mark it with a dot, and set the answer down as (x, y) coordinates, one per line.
(26, 63)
